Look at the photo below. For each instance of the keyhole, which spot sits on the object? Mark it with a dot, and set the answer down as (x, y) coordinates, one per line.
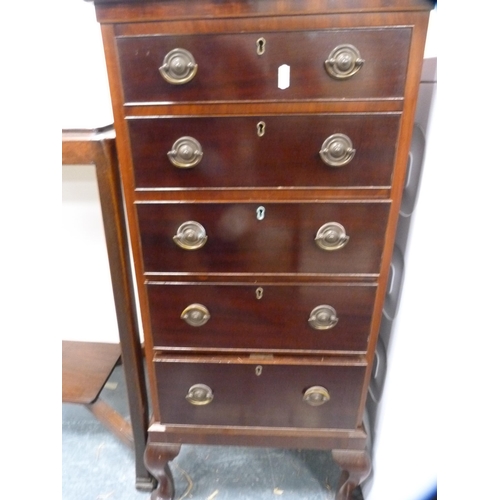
(261, 213)
(261, 46)
(261, 129)
(259, 293)
(258, 370)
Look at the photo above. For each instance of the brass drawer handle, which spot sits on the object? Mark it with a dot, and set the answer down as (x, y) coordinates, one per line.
(200, 394)
(343, 62)
(178, 67)
(316, 396)
(195, 315)
(331, 236)
(323, 317)
(191, 235)
(337, 150)
(186, 152)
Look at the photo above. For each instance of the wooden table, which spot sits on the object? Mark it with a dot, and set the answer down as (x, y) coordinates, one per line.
(86, 367)
(94, 362)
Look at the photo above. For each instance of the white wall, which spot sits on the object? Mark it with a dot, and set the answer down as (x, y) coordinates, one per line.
(405, 456)
(87, 307)
(85, 94)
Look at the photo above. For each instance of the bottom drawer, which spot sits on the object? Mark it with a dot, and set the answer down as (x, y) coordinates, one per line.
(262, 393)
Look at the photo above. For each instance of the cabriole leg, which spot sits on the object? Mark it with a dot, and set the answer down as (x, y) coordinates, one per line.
(355, 466)
(156, 458)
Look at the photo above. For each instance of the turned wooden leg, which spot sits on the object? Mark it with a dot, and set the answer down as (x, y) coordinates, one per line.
(355, 466)
(156, 458)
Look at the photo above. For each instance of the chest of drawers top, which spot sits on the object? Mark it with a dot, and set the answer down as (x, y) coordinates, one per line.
(235, 47)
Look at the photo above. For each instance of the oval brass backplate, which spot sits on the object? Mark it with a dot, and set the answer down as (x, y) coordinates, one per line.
(186, 152)
(323, 317)
(331, 236)
(179, 67)
(316, 396)
(195, 315)
(191, 235)
(343, 62)
(200, 395)
(337, 150)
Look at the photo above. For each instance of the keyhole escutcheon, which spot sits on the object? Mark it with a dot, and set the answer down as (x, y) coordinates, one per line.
(259, 293)
(261, 46)
(261, 128)
(261, 213)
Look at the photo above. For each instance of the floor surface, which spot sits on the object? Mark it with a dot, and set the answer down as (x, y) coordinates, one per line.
(97, 466)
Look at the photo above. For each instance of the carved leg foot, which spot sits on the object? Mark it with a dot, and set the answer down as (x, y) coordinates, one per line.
(356, 466)
(156, 458)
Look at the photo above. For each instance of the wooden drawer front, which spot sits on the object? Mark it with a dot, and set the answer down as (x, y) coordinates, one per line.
(271, 399)
(229, 68)
(288, 154)
(261, 316)
(282, 242)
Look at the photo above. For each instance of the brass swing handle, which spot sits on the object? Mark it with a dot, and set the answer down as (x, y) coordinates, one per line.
(337, 150)
(191, 235)
(200, 394)
(195, 315)
(343, 62)
(323, 317)
(331, 236)
(316, 396)
(186, 152)
(179, 67)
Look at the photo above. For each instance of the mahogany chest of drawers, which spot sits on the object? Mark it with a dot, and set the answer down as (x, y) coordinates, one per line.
(263, 147)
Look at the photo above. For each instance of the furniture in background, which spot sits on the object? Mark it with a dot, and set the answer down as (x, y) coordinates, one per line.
(87, 365)
(263, 148)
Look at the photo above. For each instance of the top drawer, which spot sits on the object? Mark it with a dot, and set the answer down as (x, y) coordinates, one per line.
(244, 67)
